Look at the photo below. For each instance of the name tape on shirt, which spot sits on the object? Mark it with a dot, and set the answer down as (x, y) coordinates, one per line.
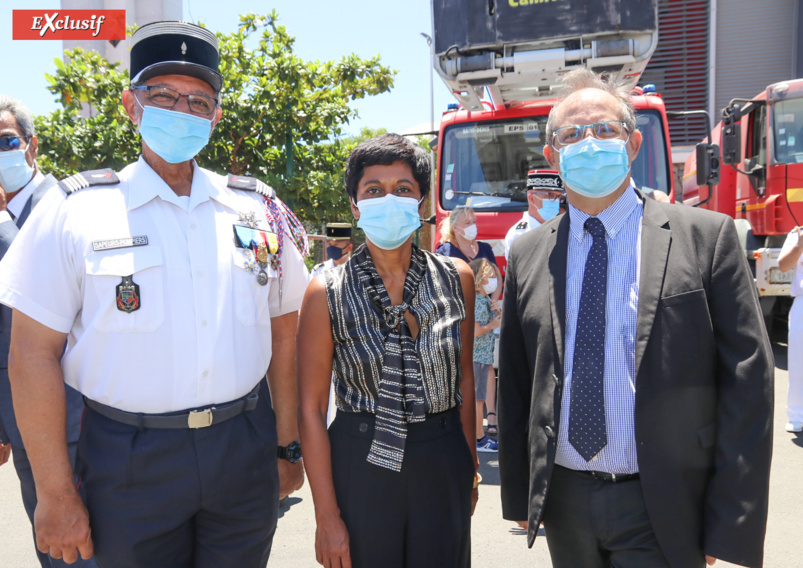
(127, 242)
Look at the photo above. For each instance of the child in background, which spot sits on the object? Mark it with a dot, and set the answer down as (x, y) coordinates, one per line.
(485, 321)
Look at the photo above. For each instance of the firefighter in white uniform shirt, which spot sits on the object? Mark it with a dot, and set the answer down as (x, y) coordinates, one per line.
(176, 289)
(545, 198)
(791, 258)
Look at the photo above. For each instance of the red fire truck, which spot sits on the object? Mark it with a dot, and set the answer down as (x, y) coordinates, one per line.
(503, 62)
(761, 183)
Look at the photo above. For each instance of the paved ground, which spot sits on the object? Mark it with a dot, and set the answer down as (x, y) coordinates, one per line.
(496, 543)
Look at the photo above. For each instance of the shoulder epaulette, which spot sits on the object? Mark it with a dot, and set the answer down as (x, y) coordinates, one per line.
(317, 266)
(248, 183)
(88, 178)
(522, 225)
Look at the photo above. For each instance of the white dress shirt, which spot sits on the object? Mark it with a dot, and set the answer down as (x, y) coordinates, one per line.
(527, 224)
(202, 334)
(17, 203)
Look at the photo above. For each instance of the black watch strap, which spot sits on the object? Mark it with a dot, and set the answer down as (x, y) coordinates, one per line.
(291, 452)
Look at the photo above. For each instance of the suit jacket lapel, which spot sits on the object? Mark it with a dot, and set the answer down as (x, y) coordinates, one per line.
(557, 247)
(656, 237)
(36, 196)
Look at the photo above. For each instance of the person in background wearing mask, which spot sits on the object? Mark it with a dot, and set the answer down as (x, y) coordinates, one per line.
(486, 321)
(22, 187)
(179, 290)
(338, 247)
(635, 369)
(459, 240)
(544, 193)
(392, 479)
(791, 258)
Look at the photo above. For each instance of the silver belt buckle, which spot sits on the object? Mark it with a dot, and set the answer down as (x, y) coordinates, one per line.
(200, 418)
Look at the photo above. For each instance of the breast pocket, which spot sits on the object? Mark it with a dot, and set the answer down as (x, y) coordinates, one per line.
(250, 298)
(113, 302)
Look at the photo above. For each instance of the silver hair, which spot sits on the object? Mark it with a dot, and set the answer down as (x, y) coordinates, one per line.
(20, 112)
(582, 78)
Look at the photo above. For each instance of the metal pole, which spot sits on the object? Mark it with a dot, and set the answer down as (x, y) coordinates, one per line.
(432, 193)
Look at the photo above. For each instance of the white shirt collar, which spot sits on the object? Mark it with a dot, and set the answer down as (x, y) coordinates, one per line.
(16, 205)
(532, 222)
(144, 184)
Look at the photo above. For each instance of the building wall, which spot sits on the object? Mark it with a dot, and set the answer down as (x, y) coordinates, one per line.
(756, 45)
(139, 12)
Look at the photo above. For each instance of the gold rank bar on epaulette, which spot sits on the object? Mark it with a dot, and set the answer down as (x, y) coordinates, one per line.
(248, 183)
(88, 178)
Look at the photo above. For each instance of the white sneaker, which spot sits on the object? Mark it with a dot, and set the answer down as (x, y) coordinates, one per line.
(794, 426)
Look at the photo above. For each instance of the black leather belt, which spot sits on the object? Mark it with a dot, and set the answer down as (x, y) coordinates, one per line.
(605, 476)
(200, 418)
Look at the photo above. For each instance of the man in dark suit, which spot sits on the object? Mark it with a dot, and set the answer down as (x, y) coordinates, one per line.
(635, 391)
(22, 186)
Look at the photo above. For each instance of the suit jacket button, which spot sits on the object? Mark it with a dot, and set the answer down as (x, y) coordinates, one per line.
(549, 432)
(363, 427)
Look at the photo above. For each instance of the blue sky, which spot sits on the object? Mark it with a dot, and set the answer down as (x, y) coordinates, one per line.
(324, 30)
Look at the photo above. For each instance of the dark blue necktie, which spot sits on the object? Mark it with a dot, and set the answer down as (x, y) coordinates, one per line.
(587, 413)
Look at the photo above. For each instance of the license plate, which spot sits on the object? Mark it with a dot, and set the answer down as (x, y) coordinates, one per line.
(778, 277)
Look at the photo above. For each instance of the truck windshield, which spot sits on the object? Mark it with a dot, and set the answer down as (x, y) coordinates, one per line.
(788, 131)
(485, 164)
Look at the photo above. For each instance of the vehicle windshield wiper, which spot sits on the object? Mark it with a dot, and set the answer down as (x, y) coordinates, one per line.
(517, 197)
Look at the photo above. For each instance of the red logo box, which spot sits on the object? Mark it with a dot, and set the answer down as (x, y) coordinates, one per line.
(69, 24)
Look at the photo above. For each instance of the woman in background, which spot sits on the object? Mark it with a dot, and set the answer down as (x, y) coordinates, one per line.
(459, 240)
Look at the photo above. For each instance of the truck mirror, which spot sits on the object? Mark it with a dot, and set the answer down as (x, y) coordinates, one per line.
(707, 164)
(731, 142)
(731, 134)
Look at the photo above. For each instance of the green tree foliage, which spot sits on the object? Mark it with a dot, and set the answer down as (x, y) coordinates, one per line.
(282, 116)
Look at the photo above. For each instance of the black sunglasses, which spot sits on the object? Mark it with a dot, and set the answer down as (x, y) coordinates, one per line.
(12, 142)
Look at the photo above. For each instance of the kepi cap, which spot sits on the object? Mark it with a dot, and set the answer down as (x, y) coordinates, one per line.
(175, 48)
(549, 180)
(338, 231)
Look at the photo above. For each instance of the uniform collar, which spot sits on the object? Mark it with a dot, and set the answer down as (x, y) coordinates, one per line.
(613, 217)
(532, 222)
(144, 184)
(17, 204)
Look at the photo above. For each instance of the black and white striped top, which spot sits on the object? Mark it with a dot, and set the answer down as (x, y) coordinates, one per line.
(378, 366)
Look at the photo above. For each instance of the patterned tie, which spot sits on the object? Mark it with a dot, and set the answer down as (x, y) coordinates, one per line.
(587, 413)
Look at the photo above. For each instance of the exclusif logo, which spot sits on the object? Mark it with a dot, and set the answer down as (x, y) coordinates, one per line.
(69, 24)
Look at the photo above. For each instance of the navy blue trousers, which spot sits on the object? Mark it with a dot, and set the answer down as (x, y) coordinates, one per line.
(419, 517)
(8, 423)
(181, 498)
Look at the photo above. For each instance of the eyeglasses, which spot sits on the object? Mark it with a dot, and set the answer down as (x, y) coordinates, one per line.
(12, 142)
(571, 134)
(546, 194)
(168, 98)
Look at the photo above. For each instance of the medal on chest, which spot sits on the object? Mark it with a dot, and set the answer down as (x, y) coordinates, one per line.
(128, 298)
(261, 246)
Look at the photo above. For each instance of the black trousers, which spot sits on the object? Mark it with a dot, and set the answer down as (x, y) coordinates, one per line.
(598, 524)
(419, 517)
(181, 498)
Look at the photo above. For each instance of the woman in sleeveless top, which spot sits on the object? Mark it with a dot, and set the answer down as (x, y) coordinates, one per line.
(394, 479)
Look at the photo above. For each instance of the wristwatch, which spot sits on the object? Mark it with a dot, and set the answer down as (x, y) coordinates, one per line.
(291, 452)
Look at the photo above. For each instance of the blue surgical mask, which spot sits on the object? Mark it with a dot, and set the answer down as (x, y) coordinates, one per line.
(334, 252)
(175, 136)
(549, 208)
(594, 168)
(388, 221)
(15, 172)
